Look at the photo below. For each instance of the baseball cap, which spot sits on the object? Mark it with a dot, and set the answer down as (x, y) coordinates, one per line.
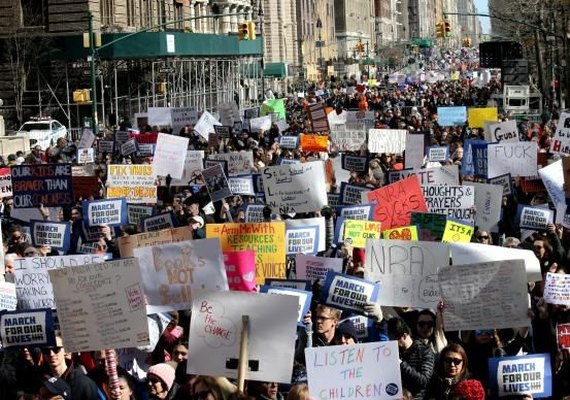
(58, 386)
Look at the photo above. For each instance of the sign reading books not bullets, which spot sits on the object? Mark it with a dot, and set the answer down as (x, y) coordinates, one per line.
(347, 292)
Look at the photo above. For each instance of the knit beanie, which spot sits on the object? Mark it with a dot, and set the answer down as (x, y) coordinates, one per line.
(165, 372)
(469, 389)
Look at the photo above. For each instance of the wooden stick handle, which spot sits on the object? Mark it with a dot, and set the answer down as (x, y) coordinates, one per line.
(243, 352)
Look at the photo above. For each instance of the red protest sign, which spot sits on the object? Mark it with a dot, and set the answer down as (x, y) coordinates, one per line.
(563, 335)
(396, 202)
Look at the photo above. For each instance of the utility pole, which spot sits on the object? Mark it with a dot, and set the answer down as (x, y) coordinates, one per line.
(261, 30)
(93, 67)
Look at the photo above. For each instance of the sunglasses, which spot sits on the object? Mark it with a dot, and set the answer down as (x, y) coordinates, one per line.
(424, 324)
(453, 361)
(48, 350)
(483, 237)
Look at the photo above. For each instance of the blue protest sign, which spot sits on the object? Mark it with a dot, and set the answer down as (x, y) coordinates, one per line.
(303, 240)
(158, 222)
(363, 212)
(47, 184)
(54, 234)
(347, 292)
(338, 230)
(474, 161)
(366, 329)
(109, 212)
(27, 328)
(521, 374)
(299, 284)
(451, 116)
(303, 296)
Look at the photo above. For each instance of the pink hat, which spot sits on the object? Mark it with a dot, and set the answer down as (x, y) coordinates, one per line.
(165, 372)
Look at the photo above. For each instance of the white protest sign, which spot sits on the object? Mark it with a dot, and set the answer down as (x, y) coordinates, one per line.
(182, 116)
(387, 140)
(239, 162)
(438, 153)
(229, 113)
(193, 164)
(135, 182)
(444, 175)
(171, 272)
(530, 374)
(561, 138)
(8, 298)
(553, 178)
(159, 116)
(536, 218)
(215, 330)
(260, 124)
(357, 371)
(87, 139)
(406, 271)
(205, 124)
(313, 268)
(170, 155)
(488, 201)
(101, 306)
(129, 147)
(557, 289)
(241, 185)
(318, 223)
(414, 156)
(289, 142)
(454, 201)
(85, 156)
(33, 286)
(517, 159)
(475, 295)
(506, 131)
(348, 140)
(295, 187)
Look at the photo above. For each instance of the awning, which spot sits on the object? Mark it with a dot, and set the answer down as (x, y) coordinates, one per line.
(422, 42)
(276, 70)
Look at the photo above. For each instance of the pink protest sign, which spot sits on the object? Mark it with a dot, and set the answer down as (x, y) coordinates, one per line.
(240, 269)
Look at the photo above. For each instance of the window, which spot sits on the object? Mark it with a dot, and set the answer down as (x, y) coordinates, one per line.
(131, 13)
(178, 15)
(107, 8)
(34, 13)
(146, 14)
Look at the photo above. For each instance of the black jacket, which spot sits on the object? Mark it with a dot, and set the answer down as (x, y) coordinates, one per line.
(417, 368)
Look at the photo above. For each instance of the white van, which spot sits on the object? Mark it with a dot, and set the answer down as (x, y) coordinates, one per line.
(43, 132)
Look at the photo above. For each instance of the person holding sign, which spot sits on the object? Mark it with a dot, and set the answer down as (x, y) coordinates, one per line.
(326, 322)
(451, 369)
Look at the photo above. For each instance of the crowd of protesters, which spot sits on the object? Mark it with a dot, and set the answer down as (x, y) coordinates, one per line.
(434, 363)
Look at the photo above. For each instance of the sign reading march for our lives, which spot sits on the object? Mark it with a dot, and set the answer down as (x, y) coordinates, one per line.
(361, 213)
(438, 153)
(303, 296)
(159, 222)
(303, 240)
(27, 328)
(356, 371)
(54, 234)
(313, 268)
(535, 218)
(530, 374)
(451, 116)
(111, 212)
(347, 292)
(47, 184)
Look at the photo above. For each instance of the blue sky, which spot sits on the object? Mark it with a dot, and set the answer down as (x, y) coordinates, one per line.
(483, 7)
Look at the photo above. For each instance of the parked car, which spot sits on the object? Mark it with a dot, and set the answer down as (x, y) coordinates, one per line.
(43, 132)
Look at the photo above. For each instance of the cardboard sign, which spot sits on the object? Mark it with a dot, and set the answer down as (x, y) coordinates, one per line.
(359, 231)
(475, 294)
(47, 184)
(517, 159)
(505, 181)
(535, 218)
(105, 212)
(54, 234)
(396, 202)
(159, 222)
(352, 194)
(363, 370)
(215, 330)
(266, 239)
(193, 164)
(136, 183)
(172, 272)
(438, 153)
(478, 116)
(557, 289)
(457, 232)
(431, 226)
(402, 233)
(444, 175)
(288, 142)
(563, 335)
(8, 298)
(216, 183)
(314, 143)
(313, 268)
(451, 116)
(454, 201)
(127, 244)
(502, 132)
(348, 140)
(136, 213)
(106, 300)
(530, 374)
(239, 163)
(27, 328)
(33, 286)
(295, 188)
(354, 163)
(318, 117)
(240, 270)
(304, 297)
(205, 124)
(170, 155)
(387, 140)
(561, 138)
(347, 292)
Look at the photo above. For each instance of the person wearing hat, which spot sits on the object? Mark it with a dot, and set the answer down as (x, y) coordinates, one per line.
(160, 378)
(196, 222)
(345, 333)
(54, 388)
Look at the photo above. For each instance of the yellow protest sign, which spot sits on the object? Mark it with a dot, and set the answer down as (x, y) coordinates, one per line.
(455, 76)
(476, 117)
(134, 182)
(267, 239)
(314, 143)
(402, 233)
(359, 231)
(456, 232)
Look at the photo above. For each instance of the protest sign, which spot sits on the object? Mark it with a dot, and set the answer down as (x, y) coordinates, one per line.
(101, 306)
(557, 289)
(229, 113)
(241, 185)
(27, 328)
(111, 212)
(505, 181)
(47, 184)
(158, 222)
(134, 182)
(506, 131)
(205, 124)
(106, 146)
(457, 232)
(121, 136)
(488, 202)
(318, 117)
(402, 233)
(414, 154)
(5, 183)
(8, 298)
(129, 147)
(348, 140)
(431, 226)
(171, 272)
(406, 270)
(33, 286)
(85, 156)
(284, 161)
(478, 116)
(182, 116)
(474, 162)
(288, 142)
(289, 283)
(266, 239)
(348, 292)
(87, 139)
(563, 335)
(454, 201)
(438, 153)
(352, 194)
(363, 370)
(159, 116)
(313, 268)
(254, 213)
(366, 329)
(216, 183)
(170, 155)
(517, 159)
(193, 164)
(136, 213)
(240, 270)
(359, 231)
(362, 213)
(451, 116)
(474, 295)
(239, 163)
(260, 124)
(387, 140)
(302, 240)
(222, 131)
(215, 329)
(535, 218)
(295, 188)
(553, 178)
(530, 374)
(333, 199)
(298, 225)
(127, 244)
(54, 234)
(395, 202)
(250, 113)
(274, 106)
(314, 143)
(209, 163)
(354, 163)
(304, 297)
(444, 175)
(561, 137)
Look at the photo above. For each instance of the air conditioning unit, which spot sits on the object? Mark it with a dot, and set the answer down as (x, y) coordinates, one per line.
(129, 29)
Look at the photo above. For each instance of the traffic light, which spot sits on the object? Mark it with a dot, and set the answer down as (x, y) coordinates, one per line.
(447, 29)
(251, 29)
(360, 47)
(243, 31)
(439, 30)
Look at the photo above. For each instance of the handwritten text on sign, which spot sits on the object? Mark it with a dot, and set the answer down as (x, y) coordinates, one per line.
(135, 182)
(47, 184)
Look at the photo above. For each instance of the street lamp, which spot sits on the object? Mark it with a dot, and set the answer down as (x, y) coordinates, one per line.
(319, 26)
